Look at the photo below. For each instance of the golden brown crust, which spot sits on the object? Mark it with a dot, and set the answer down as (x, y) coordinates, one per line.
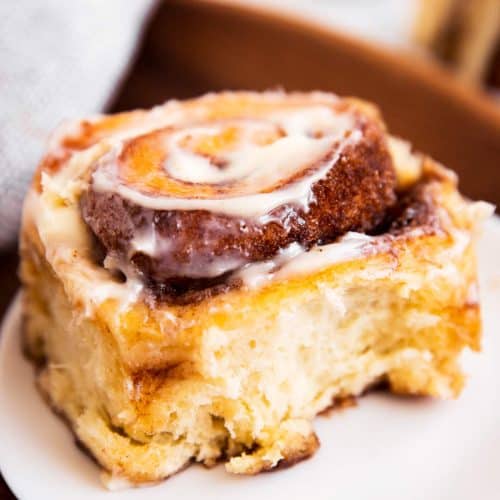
(339, 404)
(80, 136)
(302, 450)
(306, 450)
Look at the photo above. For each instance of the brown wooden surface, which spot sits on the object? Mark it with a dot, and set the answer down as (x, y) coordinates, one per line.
(194, 46)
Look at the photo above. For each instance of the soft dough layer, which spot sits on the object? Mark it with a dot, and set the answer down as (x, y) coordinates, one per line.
(148, 385)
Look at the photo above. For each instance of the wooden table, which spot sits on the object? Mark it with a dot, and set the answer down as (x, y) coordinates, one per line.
(193, 46)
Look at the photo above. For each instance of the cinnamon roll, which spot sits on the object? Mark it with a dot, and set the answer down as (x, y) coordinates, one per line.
(201, 279)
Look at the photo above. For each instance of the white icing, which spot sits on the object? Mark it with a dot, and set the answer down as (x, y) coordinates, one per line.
(256, 274)
(296, 261)
(103, 289)
(256, 167)
(146, 241)
(259, 166)
(351, 246)
(252, 205)
(68, 249)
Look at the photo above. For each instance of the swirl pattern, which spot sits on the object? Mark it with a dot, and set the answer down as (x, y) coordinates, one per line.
(217, 182)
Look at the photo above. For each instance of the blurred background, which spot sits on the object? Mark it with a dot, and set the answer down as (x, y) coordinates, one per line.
(462, 34)
(432, 66)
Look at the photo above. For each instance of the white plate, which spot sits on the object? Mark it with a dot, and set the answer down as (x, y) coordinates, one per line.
(386, 447)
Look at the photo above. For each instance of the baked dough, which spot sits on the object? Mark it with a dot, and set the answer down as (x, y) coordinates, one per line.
(236, 370)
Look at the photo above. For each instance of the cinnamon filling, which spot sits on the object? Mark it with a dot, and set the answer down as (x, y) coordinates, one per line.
(184, 206)
(186, 195)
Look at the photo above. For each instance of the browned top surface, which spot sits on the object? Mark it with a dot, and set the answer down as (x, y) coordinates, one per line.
(192, 47)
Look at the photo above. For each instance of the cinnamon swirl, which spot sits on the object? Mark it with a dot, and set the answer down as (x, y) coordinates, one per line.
(184, 264)
(234, 179)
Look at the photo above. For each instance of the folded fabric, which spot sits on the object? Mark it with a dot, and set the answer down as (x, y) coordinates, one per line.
(59, 60)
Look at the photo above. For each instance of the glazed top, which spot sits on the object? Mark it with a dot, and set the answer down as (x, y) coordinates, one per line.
(187, 194)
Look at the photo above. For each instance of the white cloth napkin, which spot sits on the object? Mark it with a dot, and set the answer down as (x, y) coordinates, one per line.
(58, 59)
